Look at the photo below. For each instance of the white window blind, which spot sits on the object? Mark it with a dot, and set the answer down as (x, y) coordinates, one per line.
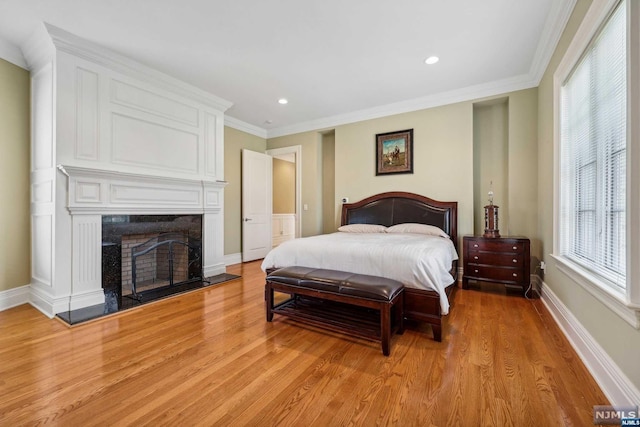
(593, 156)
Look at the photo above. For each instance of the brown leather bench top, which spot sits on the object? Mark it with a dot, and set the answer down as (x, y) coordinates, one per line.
(339, 282)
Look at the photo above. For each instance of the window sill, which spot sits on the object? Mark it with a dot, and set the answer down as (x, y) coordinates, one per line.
(615, 301)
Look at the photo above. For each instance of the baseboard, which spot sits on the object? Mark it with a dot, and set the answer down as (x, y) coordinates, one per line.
(233, 259)
(14, 297)
(45, 302)
(614, 383)
(47, 305)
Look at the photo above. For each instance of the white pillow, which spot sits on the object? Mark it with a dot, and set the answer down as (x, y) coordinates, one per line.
(363, 228)
(417, 228)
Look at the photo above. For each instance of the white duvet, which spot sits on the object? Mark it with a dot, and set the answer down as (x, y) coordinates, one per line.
(417, 260)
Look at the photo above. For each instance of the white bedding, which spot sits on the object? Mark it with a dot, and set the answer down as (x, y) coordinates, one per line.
(417, 260)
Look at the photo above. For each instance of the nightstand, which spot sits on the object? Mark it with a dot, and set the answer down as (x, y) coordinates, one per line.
(502, 260)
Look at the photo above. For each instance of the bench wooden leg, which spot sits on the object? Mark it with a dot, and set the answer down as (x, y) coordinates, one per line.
(385, 327)
(268, 298)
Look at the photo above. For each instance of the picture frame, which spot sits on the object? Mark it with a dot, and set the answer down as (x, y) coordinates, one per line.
(394, 152)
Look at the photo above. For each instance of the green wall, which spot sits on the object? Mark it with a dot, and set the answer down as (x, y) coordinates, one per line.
(15, 234)
(442, 158)
(234, 142)
(328, 182)
(619, 339)
(284, 187)
(490, 161)
(506, 153)
(443, 162)
(312, 196)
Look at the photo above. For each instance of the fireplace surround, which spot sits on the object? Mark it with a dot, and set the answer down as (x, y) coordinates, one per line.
(142, 253)
(113, 137)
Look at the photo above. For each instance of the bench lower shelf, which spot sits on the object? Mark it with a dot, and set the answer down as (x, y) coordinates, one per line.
(346, 318)
(374, 320)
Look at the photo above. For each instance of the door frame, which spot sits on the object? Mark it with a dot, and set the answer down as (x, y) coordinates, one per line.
(297, 150)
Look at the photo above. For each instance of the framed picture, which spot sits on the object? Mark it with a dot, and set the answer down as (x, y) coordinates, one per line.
(394, 152)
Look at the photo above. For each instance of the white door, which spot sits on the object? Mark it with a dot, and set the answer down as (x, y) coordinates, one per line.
(257, 202)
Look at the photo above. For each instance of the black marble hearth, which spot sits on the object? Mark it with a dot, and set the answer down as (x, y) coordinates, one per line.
(112, 305)
(146, 258)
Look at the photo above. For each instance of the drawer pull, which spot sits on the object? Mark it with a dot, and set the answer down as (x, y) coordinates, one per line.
(475, 246)
(475, 271)
(475, 257)
(515, 275)
(515, 260)
(515, 247)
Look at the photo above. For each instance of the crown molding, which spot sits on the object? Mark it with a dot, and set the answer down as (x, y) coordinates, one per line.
(37, 51)
(553, 28)
(11, 53)
(238, 124)
(444, 98)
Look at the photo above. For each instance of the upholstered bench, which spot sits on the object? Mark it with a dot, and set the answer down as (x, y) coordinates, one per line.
(355, 304)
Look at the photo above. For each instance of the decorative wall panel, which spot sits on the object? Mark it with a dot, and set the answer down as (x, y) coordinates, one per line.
(87, 129)
(139, 143)
(211, 149)
(42, 154)
(88, 192)
(42, 248)
(139, 195)
(144, 100)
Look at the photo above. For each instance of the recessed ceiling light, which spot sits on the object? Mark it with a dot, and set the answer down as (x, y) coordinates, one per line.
(283, 101)
(431, 60)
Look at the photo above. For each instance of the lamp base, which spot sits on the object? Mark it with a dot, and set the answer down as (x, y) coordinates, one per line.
(491, 234)
(491, 222)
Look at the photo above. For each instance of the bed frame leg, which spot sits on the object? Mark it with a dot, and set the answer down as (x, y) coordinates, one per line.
(437, 332)
(399, 310)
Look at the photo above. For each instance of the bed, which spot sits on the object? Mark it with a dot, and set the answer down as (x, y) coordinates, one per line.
(427, 291)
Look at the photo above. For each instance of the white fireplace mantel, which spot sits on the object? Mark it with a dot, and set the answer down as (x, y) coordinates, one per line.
(105, 192)
(112, 137)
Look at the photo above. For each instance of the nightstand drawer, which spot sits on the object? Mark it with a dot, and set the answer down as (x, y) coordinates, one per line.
(495, 246)
(497, 259)
(501, 274)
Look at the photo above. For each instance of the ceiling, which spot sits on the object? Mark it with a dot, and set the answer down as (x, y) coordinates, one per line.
(336, 61)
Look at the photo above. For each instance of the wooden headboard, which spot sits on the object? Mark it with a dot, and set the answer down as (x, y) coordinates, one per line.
(400, 207)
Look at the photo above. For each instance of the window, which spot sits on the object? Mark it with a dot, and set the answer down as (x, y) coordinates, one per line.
(597, 146)
(593, 156)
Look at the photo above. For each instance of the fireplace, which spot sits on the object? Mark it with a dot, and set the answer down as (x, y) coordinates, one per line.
(112, 137)
(142, 254)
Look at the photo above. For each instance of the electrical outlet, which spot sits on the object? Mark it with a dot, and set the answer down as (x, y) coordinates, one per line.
(345, 200)
(543, 265)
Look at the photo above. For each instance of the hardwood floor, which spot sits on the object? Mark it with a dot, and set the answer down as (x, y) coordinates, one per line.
(210, 358)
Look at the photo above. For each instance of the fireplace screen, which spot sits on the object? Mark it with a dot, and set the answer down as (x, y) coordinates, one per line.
(164, 260)
(145, 256)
